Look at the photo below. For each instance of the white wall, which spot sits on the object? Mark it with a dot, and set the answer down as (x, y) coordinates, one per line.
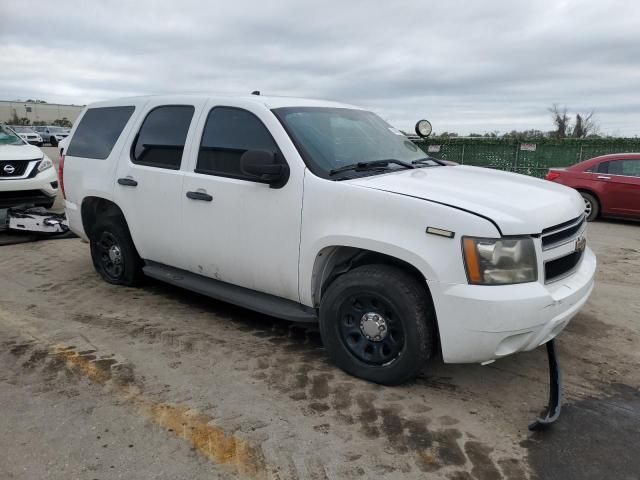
(43, 112)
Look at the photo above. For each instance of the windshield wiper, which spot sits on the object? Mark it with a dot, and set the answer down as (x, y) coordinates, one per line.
(370, 165)
(426, 160)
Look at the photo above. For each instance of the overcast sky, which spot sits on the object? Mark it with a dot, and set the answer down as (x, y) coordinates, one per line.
(472, 66)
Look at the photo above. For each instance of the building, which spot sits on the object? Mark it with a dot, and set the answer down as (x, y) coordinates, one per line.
(38, 112)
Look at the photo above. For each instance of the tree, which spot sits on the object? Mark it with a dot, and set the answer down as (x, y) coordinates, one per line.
(531, 134)
(24, 121)
(560, 120)
(63, 122)
(585, 126)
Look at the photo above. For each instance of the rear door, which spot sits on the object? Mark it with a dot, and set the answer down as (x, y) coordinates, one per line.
(622, 189)
(149, 181)
(623, 186)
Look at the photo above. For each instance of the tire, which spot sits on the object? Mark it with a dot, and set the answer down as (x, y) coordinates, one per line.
(53, 142)
(383, 299)
(40, 144)
(591, 206)
(113, 253)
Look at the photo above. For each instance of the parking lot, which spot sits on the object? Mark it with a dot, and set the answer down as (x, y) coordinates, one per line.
(103, 382)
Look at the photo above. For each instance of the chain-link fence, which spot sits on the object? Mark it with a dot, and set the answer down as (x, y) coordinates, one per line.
(529, 157)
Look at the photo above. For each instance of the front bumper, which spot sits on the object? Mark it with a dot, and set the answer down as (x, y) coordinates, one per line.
(40, 189)
(484, 323)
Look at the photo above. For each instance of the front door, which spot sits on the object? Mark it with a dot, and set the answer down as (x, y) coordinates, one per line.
(238, 230)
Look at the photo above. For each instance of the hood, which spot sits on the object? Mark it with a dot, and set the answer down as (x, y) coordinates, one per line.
(518, 204)
(20, 152)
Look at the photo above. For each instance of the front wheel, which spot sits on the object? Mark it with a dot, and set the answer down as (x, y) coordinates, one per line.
(113, 253)
(377, 323)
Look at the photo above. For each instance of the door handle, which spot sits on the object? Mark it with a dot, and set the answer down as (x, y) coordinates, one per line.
(127, 182)
(602, 177)
(199, 196)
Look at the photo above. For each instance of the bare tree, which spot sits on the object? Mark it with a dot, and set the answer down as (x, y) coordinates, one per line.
(585, 125)
(560, 120)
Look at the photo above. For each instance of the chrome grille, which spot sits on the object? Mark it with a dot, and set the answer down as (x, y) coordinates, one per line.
(563, 248)
(562, 233)
(13, 168)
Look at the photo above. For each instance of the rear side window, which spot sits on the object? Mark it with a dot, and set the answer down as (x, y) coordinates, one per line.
(98, 132)
(160, 141)
(628, 168)
(228, 133)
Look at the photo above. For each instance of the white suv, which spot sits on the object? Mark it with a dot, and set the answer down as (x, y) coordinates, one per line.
(318, 211)
(27, 175)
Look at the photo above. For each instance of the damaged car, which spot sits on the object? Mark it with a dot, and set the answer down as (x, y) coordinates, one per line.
(27, 176)
(317, 211)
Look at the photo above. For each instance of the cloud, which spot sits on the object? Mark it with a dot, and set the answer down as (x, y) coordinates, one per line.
(467, 66)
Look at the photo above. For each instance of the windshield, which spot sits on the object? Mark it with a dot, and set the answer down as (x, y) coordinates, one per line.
(7, 137)
(22, 130)
(330, 138)
(58, 130)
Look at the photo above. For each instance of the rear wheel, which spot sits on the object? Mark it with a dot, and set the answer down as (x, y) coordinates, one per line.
(53, 142)
(591, 206)
(377, 323)
(113, 253)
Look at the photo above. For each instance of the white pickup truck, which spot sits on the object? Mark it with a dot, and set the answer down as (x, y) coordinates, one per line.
(319, 211)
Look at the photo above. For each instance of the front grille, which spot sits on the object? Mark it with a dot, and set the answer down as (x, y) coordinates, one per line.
(562, 233)
(560, 267)
(20, 194)
(19, 167)
(23, 197)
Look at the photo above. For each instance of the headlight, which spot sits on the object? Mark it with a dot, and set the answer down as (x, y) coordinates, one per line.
(44, 164)
(491, 261)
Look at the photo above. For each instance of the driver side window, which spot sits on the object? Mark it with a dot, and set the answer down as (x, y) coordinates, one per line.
(228, 133)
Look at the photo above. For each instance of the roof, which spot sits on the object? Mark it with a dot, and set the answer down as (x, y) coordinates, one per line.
(617, 155)
(267, 101)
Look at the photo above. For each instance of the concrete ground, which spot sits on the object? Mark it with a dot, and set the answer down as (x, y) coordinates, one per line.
(105, 382)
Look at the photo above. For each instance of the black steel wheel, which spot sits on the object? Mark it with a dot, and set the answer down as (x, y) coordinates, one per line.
(371, 329)
(110, 255)
(377, 323)
(113, 253)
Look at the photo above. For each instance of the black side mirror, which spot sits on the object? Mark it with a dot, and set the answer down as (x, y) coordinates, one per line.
(265, 166)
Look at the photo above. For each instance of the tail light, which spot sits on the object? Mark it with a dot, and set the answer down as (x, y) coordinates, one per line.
(61, 174)
(552, 175)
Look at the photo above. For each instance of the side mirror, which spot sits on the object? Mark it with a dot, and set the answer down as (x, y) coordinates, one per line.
(423, 128)
(264, 165)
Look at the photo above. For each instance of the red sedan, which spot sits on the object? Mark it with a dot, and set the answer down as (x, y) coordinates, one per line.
(610, 184)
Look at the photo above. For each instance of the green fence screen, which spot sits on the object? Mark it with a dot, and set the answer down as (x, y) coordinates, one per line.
(529, 157)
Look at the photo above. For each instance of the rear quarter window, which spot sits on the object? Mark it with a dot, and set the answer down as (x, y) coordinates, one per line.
(98, 132)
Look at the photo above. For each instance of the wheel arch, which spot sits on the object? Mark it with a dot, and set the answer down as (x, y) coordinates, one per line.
(333, 261)
(94, 207)
(594, 194)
